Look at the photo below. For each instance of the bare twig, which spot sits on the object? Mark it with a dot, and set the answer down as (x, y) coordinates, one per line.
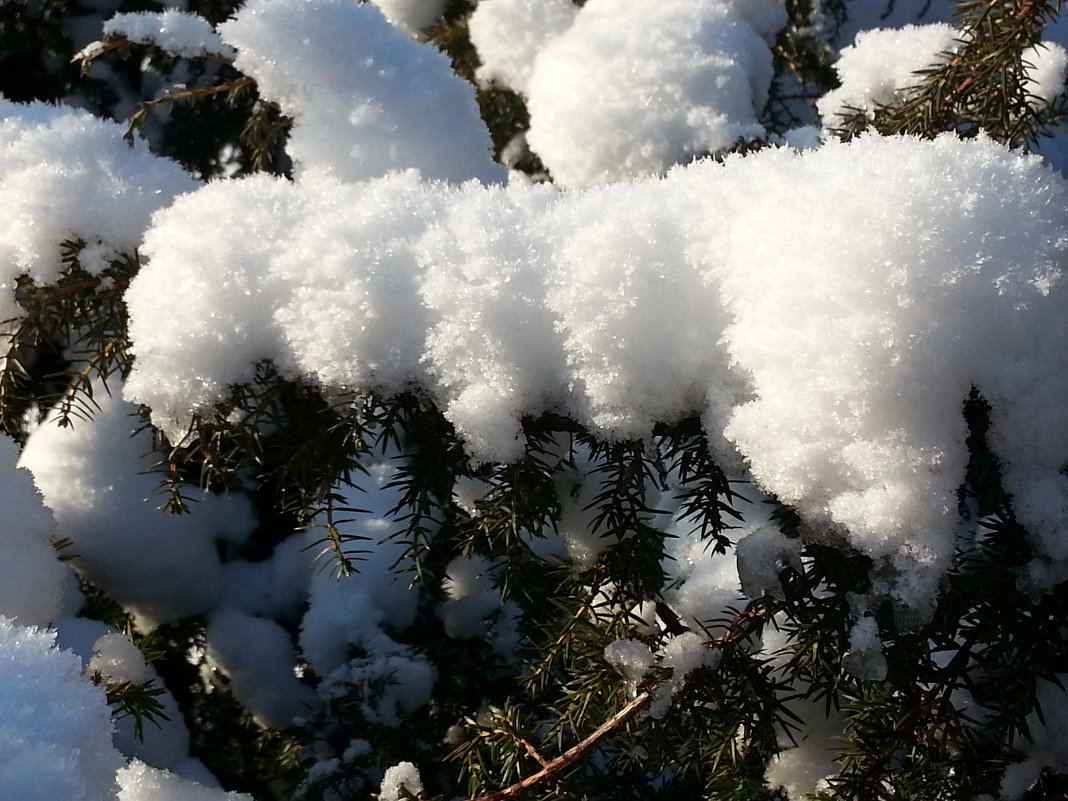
(138, 118)
(743, 625)
(572, 755)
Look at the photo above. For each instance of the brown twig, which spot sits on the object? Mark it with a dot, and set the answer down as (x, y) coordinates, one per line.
(138, 118)
(743, 625)
(530, 749)
(556, 766)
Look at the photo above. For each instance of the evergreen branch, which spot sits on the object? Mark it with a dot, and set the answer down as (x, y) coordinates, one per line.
(139, 700)
(139, 117)
(561, 642)
(117, 42)
(983, 85)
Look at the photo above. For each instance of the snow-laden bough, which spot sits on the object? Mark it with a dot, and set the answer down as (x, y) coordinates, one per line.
(827, 312)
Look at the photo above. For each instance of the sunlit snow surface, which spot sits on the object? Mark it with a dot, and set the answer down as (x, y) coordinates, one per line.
(826, 314)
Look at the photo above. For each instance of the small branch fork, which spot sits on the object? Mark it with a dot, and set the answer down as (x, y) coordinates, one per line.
(565, 760)
(743, 625)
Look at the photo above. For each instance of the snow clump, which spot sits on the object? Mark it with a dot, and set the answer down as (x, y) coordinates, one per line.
(179, 32)
(365, 98)
(97, 481)
(880, 67)
(413, 16)
(67, 175)
(634, 87)
(835, 358)
(401, 777)
(509, 34)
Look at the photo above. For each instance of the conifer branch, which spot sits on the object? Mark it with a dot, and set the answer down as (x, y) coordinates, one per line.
(117, 42)
(139, 117)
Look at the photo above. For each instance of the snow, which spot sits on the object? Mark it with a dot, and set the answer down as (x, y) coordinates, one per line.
(164, 742)
(65, 174)
(97, 480)
(413, 16)
(354, 613)
(763, 552)
(865, 659)
(865, 15)
(472, 599)
(1047, 65)
(509, 34)
(634, 87)
(366, 99)
(55, 726)
(178, 32)
(631, 658)
(1045, 746)
(259, 657)
(140, 782)
(802, 767)
(835, 358)
(879, 67)
(400, 777)
(32, 578)
(116, 658)
(826, 312)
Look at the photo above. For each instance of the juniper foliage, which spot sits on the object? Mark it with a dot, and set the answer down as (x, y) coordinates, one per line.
(556, 720)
